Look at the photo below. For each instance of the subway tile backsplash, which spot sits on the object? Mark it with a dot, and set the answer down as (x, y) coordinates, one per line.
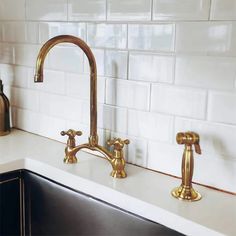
(181, 10)
(163, 67)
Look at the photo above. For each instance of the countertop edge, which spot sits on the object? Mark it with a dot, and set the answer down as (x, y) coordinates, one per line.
(106, 194)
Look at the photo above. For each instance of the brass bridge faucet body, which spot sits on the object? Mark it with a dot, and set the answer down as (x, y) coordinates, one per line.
(185, 191)
(72, 149)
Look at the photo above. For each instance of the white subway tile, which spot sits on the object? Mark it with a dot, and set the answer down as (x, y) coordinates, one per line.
(62, 107)
(151, 67)
(12, 10)
(129, 10)
(54, 82)
(99, 55)
(137, 151)
(206, 71)
(223, 10)
(7, 74)
(26, 54)
(14, 32)
(20, 32)
(107, 35)
(79, 86)
(46, 10)
(51, 127)
(158, 37)
(21, 75)
(182, 101)
(112, 118)
(128, 94)
(222, 107)
(25, 98)
(160, 155)
(51, 29)
(151, 126)
(206, 37)
(66, 58)
(116, 63)
(53, 105)
(181, 9)
(32, 35)
(7, 53)
(215, 139)
(207, 168)
(86, 10)
(26, 120)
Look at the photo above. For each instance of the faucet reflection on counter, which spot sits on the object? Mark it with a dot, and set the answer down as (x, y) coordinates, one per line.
(185, 191)
(116, 157)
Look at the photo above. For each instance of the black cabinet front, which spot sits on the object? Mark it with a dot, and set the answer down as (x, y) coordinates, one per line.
(10, 204)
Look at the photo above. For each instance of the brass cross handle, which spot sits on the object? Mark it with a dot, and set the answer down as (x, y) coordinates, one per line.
(189, 138)
(71, 133)
(71, 137)
(118, 143)
(69, 150)
(118, 161)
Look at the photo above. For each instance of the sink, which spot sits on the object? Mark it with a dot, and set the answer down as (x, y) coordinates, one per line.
(53, 209)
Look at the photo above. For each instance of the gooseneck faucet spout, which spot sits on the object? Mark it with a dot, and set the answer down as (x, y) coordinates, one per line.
(116, 157)
(93, 139)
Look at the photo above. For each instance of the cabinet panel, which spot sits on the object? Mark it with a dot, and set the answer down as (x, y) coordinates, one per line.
(10, 204)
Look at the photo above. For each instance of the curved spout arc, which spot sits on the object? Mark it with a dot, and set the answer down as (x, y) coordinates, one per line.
(64, 39)
(96, 148)
(93, 74)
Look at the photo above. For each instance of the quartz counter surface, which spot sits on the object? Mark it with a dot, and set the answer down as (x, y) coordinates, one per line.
(143, 192)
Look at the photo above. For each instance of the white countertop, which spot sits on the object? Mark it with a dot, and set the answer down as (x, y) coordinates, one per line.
(143, 192)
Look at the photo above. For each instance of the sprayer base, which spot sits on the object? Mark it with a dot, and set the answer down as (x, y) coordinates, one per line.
(186, 194)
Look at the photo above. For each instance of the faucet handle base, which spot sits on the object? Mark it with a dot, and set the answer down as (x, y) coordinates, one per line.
(186, 193)
(70, 160)
(119, 174)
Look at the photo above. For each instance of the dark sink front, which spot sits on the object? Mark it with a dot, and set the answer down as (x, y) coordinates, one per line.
(52, 209)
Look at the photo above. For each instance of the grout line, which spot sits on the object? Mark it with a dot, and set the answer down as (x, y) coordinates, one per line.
(206, 105)
(210, 10)
(128, 65)
(67, 10)
(152, 10)
(106, 10)
(150, 97)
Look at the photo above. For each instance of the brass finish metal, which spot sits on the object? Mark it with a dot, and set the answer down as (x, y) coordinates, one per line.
(185, 191)
(116, 157)
(69, 155)
(5, 127)
(118, 162)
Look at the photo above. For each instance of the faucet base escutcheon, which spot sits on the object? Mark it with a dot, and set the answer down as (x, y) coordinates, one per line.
(186, 193)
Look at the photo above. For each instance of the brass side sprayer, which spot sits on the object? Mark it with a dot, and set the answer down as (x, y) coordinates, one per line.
(116, 157)
(185, 191)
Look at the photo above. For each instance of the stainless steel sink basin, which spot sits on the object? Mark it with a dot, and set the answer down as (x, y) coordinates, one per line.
(52, 209)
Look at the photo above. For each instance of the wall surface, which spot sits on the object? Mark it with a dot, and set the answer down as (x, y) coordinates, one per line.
(164, 66)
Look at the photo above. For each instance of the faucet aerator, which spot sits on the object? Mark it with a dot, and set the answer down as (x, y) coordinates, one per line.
(38, 78)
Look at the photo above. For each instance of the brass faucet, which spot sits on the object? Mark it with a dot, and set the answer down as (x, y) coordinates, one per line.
(185, 191)
(116, 157)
